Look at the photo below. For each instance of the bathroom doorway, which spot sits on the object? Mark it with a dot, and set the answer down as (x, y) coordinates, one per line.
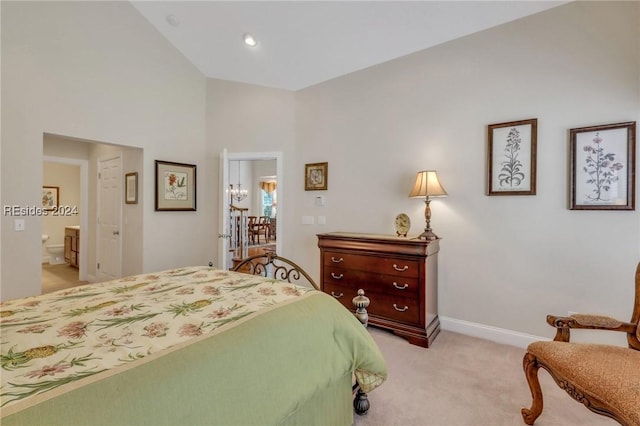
(65, 181)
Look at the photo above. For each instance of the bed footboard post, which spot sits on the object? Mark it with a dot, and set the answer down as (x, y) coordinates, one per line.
(361, 403)
(361, 400)
(361, 302)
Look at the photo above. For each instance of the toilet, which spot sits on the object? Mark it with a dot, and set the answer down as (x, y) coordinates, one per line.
(55, 252)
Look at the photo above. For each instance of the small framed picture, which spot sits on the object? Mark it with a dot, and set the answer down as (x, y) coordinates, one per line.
(175, 186)
(603, 167)
(511, 158)
(50, 197)
(315, 176)
(131, 188)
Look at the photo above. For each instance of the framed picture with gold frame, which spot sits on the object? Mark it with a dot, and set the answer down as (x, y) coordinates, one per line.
(50, 197)
(315, 176)
(131, 188)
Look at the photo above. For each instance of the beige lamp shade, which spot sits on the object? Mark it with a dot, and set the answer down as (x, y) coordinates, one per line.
(427, 184)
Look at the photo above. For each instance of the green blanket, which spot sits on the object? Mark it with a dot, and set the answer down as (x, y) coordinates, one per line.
(286, 364)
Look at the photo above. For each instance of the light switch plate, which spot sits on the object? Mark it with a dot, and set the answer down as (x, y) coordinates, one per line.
(19, 224)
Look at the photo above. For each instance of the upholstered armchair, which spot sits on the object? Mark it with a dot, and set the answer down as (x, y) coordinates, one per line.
(605, 378)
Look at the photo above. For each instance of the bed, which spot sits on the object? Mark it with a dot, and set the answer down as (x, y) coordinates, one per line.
(187, 346)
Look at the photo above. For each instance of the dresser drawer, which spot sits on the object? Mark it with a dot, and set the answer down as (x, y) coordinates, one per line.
(382, 265)
(396, 285)
(401, 309)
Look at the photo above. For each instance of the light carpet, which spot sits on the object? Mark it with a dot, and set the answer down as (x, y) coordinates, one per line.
(463, 381)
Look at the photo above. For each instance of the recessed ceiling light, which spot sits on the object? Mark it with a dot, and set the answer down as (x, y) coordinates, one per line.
(173, 20)
(249, 39)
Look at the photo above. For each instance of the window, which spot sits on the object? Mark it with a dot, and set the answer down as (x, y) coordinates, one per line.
(268, 209)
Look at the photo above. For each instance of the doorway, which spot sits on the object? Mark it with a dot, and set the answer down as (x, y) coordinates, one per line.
(73, 213)
(88, 154)
(253, 166)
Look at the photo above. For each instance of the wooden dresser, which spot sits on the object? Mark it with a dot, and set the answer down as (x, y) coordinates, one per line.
(399, 275)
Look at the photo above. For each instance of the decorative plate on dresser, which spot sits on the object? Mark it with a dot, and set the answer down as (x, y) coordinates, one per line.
(399, 275)
(402, 224)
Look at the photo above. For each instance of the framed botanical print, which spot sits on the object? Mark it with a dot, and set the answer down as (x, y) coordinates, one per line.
(131, 188)
(175, 186)
(511, 158)
(603, 167)
(315, 176)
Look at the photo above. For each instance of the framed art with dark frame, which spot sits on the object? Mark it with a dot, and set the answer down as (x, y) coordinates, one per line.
(315, 176)
(131, 188)
(50, 197)
(511, 157)
(603, 167)
(175, 186)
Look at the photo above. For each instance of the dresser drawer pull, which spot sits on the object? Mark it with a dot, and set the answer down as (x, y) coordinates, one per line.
(337, 296)
(400, 309)
(334, 260)
(397, 268)
(336, 277)
(395, 284)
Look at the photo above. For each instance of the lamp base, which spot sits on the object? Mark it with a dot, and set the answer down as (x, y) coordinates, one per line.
(427, 235)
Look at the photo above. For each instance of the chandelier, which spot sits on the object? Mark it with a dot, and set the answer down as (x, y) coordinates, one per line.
(238, 193)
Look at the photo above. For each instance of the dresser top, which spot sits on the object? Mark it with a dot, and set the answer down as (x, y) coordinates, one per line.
(378, 242)
(373, 237)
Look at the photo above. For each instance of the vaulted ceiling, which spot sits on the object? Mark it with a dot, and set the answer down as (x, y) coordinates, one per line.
(302, 43)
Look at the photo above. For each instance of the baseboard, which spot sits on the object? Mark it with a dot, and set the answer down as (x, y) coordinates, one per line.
(487, 332)
(45, 259)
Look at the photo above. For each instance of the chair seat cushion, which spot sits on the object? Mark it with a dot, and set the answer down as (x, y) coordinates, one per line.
(608, 373)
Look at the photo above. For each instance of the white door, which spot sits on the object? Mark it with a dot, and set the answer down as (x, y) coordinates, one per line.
(109, 252)
(224, 256)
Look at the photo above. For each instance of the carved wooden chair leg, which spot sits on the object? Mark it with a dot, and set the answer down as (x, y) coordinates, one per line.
(531, 367)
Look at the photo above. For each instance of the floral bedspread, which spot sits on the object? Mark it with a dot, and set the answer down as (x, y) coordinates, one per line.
(58, 338)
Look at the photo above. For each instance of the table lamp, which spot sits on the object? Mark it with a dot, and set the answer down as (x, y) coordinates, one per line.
(427, 185)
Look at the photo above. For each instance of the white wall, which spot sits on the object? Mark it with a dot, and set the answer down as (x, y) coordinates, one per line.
(97, 71)
(504, 261)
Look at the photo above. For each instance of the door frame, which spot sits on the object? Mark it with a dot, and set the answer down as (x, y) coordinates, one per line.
(83, 208)
(225, 158)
